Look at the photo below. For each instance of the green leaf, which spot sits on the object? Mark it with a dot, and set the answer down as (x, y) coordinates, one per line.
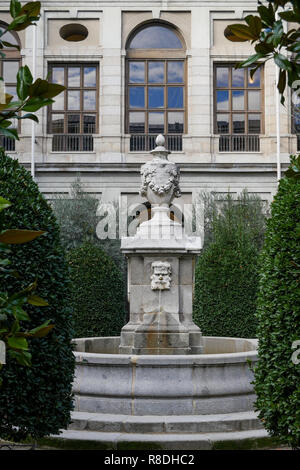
(267, 14)
(17, 236)
(282, 62)
(36, 300)
(15, 8)
(4, 203)
(43, 89)
(22, 86)
(239, 32)
(17, 342)
(255, 25)
(8, 44)
(17, 21)
(32, 9)
(22, 357)
(20, 314)
(282, 81)
(290, 16)
(33, 117)
(251, 60)
(10, 133)
(42, 330)
(34, 104)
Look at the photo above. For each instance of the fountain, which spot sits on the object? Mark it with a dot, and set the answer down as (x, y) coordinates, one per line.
(162, 385)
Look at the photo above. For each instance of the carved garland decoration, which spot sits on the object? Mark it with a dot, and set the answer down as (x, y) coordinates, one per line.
(148, 172)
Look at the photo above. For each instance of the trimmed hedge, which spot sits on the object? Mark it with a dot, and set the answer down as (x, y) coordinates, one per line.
(277, 378)
(36, 400)
(97, 292)
(226, 278)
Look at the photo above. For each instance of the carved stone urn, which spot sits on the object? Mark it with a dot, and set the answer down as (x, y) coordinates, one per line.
(160, 185)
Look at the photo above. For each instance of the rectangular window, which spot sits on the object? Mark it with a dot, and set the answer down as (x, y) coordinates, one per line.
(73, 117)
(155, 102)
(238, 108)
(8, 70)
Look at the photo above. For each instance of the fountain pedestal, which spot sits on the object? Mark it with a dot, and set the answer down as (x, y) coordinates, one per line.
(161, 262)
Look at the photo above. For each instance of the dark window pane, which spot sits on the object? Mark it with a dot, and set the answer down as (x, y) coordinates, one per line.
(73, 124)
(175, 122)
(59, 103)
(137, 123)
(156, 97)
(223, 123)
(222, 100)
(58, 75)
(255, 81)
(254, 123)
(238, 123)
(73, 99)
(10, 70)
(175, 97)
(156, 72)
(89, 100)
(57, 123)
(89, 76)
(73, 76)
(253, 100)
(296, 122)
(238, 78)
(89, 123)
(155, 37)
(238, 100)
(136, 97)
(136, 72)
(175, 72)
(156, 123)
(222, 77)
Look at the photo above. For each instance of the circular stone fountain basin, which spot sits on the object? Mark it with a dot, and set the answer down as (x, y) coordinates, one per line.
(216, 382)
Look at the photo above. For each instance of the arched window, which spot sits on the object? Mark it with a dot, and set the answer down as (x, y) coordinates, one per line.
(156, 95)
(9, 66)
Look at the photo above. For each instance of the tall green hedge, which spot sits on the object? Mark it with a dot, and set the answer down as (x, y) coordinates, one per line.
(277, 377)
(226, 279)
(97, 292)
(36, 400)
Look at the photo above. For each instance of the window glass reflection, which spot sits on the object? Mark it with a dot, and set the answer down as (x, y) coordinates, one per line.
(253, 100)
(89, 77)
(238, 123)
(74, 76)
(89, 123)
(136, 97)
(254, 123)
(73, 99)
(73, 124)
(223, 123)
(156, 123)
(58, 75)
(155, 37)
(238, 100)
(238, 78)
(89, 99)
(222, 77)
(156, 97)
(156, 72)
(8, 37)
(59, 102)
(12, 90)
(10, 70)
(175, 122)
(137, 123)
(136, 72)
(175, 97)
(175, 72)
(222, 100)
(57, 124)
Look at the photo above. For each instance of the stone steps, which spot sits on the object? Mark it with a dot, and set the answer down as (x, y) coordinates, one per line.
(117, 432)
(98, 422)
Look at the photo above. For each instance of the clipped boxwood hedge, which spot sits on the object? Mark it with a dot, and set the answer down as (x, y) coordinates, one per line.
(97, 292)
(36, 400)
(277, 377)
(226, 278)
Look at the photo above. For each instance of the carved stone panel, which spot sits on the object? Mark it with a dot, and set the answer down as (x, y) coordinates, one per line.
(161, 275)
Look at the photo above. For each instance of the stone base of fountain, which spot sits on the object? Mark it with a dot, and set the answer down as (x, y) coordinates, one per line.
(164, 402)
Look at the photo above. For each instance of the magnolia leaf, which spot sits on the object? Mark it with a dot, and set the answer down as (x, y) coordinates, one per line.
(36, 300)
(17, 236)
(17, 342)
(4, 203)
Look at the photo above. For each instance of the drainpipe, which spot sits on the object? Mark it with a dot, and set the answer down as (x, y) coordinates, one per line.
(32, 122)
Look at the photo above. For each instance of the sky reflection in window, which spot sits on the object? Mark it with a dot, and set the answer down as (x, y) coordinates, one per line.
(155, 37)
(136, 97)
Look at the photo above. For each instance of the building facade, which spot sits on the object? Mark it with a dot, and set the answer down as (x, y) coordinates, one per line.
(133, 70)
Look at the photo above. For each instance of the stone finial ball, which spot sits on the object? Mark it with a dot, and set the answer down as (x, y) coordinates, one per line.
(160, 141)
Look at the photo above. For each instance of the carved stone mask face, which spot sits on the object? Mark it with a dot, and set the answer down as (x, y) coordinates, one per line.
(161, 275)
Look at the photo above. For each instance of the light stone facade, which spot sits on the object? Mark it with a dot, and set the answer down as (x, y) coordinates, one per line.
(112, 170)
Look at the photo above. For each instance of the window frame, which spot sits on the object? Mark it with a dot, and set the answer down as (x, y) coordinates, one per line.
(156, 55)
(245, 111)
(65, 112)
